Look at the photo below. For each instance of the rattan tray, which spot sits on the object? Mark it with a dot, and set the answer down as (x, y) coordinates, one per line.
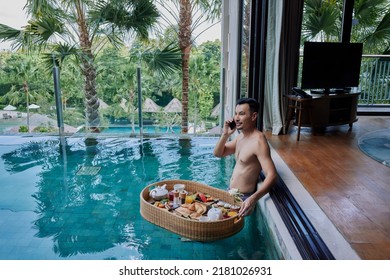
(191, 229)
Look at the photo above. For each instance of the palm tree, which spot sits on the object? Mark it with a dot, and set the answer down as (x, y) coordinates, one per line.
(185, 44)
(203, 10)
(82, 28)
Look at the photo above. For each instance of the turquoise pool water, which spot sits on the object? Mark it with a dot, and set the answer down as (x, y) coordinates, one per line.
(152, 129)
(80, 199)
(6, 125)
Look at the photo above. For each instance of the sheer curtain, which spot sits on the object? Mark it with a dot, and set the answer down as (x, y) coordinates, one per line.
(281, 74)
(272, 114)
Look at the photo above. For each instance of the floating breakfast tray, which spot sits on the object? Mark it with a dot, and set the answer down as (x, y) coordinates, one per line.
(190, 228)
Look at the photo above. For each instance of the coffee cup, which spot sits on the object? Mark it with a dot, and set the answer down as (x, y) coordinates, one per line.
(179, 187)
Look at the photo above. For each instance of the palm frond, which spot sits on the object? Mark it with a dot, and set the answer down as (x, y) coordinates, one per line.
(165, 61)
(131, 16)
(40, 8)
(367, 11)
(8, 33)
(312, 5)
(15, 36)
(381, 33)
(321, 17)
(211, 9)
(59, 53)
(45, 28)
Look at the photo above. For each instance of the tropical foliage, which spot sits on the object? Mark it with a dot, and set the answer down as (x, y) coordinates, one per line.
(100, 45)
(371, 23)
(370, 26)
(192, 13)
(82, 28)
(116, 83)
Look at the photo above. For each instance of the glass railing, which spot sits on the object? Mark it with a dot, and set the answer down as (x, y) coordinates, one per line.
(374, 85)
(375, 80)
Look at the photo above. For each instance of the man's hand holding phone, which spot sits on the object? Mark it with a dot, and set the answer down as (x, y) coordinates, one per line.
(229, 127)
(232, 125)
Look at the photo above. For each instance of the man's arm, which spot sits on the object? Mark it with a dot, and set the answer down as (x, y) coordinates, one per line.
(268, 166)
(224, 148)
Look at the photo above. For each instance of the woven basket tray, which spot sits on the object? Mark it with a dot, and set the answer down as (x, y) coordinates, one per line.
(192, 229)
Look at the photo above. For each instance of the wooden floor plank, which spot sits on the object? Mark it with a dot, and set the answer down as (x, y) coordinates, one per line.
(351, 188)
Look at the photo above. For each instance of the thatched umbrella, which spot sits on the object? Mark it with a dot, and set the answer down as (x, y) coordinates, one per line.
(9, 108)
(33, 106)
(150, 106)
(102, 104)
(174, 106)
(216, 110)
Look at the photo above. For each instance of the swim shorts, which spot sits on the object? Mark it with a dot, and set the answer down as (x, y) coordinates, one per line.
(243, 196)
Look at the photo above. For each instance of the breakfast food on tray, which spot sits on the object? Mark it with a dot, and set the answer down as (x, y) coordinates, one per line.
(189, 214)
(196, 206)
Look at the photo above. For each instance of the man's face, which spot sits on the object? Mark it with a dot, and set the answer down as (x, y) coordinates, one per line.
(243, 117)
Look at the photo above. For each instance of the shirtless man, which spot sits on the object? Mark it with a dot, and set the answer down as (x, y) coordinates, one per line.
(252, 154)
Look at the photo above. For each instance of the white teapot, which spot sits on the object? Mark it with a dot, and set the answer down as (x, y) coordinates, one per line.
(214, 214)
(159, 192)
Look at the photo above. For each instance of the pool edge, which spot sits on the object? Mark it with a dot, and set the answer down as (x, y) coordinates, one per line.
(336, 243)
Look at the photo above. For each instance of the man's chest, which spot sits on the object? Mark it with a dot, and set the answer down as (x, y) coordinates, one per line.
(245, 152)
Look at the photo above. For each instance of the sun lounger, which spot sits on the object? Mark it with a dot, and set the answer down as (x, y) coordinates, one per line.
(6, 116)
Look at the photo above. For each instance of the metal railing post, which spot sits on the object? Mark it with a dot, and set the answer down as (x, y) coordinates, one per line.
(57, 92)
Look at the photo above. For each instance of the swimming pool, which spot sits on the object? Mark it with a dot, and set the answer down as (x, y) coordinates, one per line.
(80, 200)
(151, 129)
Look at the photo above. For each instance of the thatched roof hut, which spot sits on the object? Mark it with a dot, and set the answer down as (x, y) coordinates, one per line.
(150, 106)
(174, 106)
(216, 110)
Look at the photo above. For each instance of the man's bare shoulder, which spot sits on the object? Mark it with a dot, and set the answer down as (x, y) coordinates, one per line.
(260, 137)
(261, 142)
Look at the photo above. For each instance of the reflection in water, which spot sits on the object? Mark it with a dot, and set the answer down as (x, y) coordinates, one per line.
(88, 214)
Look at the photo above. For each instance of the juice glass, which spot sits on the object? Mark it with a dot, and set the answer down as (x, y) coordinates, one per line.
(189, 199)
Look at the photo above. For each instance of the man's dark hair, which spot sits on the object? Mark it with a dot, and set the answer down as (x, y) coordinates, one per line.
(253, 104)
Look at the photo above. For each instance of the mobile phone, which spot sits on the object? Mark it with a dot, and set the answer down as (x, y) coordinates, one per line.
(232, 124)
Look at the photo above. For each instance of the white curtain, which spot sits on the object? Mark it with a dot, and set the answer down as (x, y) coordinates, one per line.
(272, 114)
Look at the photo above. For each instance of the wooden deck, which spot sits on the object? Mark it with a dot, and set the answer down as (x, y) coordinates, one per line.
(351, 188)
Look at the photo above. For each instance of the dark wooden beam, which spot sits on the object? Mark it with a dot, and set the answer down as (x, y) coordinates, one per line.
(257, 56)
(254, 61)
(239, 49)
(346, 25)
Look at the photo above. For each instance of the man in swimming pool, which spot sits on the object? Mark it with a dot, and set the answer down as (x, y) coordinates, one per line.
(252, 154)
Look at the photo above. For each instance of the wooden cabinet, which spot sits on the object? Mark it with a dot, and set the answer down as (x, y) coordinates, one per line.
(323, 110)
(332, 109)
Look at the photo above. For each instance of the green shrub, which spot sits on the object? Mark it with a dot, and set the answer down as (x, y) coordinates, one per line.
(44, 129)
(23, 128)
